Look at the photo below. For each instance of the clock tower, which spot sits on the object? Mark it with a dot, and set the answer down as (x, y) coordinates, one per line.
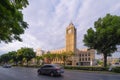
(71, 38)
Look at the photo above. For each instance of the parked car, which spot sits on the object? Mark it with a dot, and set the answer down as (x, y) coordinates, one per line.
(113, 66)
(51, 69)
(7, 66)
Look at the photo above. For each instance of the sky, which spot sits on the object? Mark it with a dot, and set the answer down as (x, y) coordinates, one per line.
(48, 20)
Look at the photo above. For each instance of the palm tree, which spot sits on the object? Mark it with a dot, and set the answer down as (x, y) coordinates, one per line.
(66, 56)
(38, 58)
(49, 57)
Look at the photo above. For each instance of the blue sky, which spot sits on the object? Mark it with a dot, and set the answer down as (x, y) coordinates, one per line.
(48, 20)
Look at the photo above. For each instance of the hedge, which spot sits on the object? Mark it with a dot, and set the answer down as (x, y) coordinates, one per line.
(116, 69)
(89, 68)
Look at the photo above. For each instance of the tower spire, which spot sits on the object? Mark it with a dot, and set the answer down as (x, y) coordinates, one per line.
(71, 23)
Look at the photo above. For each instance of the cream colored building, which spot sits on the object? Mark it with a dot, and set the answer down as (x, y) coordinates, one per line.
(82, 57)
(86, 57)
(58, 51)
(111, 60)
(39, 52)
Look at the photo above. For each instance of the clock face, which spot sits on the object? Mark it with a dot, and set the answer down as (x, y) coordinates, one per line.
(69, 31)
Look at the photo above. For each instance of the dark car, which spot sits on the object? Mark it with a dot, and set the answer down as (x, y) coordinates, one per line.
(7, 66)
(51, 69)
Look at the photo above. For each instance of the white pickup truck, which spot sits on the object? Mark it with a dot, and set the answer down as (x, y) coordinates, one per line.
(113, 66)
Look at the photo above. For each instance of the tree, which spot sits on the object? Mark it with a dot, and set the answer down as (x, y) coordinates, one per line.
(59, 56)
(11, 20)
(5, 58)
(26, 53)
(10, 56)
(66, 56)
(99, 62)
(0, 60)
(38, 58)
(13, 56)
(49, 57)
(105, 36)
(20, 56)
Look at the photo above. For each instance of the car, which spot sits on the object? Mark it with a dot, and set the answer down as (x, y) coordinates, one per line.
(113, 66)
(51, 69)
(7, 66)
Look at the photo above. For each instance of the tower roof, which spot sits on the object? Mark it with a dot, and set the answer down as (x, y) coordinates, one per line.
(71, 25)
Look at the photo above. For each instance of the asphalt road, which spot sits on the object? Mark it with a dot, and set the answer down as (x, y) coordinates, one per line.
(20, 73)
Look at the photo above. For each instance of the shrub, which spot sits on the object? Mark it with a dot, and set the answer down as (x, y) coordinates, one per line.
(89, 68)
(116, 69)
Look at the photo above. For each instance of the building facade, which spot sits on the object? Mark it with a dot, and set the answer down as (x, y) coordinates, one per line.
(86, 57)
(82, 57)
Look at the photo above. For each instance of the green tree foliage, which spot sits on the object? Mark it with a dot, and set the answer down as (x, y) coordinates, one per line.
(20, 56)
(66, 56)
(13, 56)
(49, 56)
(5, 58)
(23, 54)
(11, 20)
(99, 62)
(38, 58)
(26, 53)
(105, 35)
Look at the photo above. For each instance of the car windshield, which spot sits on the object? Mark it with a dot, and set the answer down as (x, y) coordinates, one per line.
(57, 65)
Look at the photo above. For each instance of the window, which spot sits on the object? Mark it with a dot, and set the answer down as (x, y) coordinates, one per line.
(89, 59)
(82, 59)
(85, 59)
(82, 54)
(88, 54)
(47, 66)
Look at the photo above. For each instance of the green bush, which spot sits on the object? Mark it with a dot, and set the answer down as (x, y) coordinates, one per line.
(89, 68)
(116, 69)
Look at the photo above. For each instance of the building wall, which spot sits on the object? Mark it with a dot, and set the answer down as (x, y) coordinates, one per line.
(58, 51)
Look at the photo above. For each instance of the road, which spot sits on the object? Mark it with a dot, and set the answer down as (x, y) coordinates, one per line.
(20, 73)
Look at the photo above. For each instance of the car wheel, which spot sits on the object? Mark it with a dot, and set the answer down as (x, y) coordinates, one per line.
(39, 72)
(59, 75)
(51, 74)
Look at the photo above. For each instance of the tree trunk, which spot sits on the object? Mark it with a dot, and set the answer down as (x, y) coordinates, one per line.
(64, 62)
(37, 61)
(63, 59)
(105, 60)
(27, 63)
(16, 63)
